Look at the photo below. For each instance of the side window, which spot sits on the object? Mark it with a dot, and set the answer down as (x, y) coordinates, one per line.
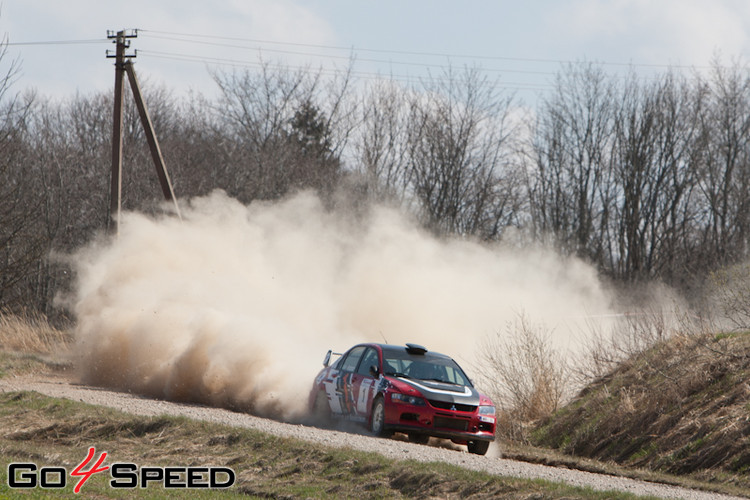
(369, 359)
(351, 360)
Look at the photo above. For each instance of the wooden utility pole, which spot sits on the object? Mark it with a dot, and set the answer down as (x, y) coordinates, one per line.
(121, 39)
(115, 189)
(153, 144)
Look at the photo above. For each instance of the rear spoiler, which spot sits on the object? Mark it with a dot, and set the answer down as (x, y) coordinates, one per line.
(327, 359)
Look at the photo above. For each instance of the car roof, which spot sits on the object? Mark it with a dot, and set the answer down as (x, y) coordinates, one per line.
(402, 348)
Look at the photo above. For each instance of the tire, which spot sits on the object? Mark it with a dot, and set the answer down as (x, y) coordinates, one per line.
(419, 438)
(478, 447)
(321, 410)
(377, 418)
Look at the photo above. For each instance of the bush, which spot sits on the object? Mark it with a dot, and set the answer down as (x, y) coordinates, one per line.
(526, 377)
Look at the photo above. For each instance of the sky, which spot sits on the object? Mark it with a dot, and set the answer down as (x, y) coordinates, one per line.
(518, 45)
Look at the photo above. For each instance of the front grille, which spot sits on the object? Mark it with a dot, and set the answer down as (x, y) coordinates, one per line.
(451, 423)
(450, 406)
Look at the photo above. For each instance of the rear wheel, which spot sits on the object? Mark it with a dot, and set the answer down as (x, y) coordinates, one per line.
(377, 418)
(321, 409)
(478, 447)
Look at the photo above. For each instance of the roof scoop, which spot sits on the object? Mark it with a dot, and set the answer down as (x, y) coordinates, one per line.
(415, 349)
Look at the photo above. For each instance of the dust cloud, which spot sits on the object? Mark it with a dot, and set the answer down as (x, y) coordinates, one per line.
(236, 305)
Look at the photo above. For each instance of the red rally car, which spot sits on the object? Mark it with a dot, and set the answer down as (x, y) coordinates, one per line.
(404, 389)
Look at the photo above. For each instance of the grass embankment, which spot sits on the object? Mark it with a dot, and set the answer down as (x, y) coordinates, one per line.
(681, 407)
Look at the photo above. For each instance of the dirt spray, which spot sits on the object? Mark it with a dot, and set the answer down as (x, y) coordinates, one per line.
(236, 305)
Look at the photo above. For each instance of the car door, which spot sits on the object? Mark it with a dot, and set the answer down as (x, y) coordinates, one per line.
(364, 383)
(346, 382)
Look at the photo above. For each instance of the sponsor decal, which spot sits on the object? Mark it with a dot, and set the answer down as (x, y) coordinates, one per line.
(27, 475)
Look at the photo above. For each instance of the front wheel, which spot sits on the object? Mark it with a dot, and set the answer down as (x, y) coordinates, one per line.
(416, 437)
(478, 447)
(377, 418)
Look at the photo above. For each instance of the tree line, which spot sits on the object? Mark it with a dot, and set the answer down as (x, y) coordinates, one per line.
(644, 178)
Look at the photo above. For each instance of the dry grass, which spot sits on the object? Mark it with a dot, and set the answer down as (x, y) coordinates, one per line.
(29, 345)
(660, 395)
(31, 333)
(680, 407)
(526, 377)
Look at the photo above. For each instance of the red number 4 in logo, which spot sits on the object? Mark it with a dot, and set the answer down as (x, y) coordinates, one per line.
(85, 475)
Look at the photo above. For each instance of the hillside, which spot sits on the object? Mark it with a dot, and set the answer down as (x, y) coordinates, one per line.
(681, 407)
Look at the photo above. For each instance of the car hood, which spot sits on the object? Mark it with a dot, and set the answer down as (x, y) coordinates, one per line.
(447, 393)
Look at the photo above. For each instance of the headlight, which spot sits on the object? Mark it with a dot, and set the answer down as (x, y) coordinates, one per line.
(486, 410)
(403, 398)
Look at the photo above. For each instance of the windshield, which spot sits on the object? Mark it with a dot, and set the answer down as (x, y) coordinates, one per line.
(423, 367)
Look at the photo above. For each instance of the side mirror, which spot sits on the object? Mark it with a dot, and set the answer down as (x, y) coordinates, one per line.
(374, 371)
(327, 359)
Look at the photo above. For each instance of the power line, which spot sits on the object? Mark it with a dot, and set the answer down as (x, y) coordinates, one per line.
(314, 51)
(377, 61)
(328, 71)
(353, 49)
(261, 46)
(59, 42)
(242, 44)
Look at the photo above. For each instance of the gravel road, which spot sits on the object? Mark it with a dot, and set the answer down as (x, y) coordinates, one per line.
(388, 447)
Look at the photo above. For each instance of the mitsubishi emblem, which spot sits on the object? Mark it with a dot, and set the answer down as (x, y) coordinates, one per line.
(453, 408)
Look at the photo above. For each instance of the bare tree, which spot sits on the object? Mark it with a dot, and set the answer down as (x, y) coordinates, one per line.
(381, 146)
(655, 130)
(20, 244)
(460, 168)
(725, 168)
(265, 116)
(570, 188)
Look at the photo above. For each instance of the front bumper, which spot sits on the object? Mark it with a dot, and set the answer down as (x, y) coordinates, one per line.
(459, 426)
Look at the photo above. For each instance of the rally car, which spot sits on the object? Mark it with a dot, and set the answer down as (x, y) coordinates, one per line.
(405, 389)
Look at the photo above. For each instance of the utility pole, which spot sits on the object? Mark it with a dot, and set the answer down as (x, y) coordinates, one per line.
(153, 144)
(121, 39)
(124, 64)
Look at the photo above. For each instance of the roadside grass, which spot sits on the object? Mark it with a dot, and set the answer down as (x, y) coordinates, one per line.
(679, 408)
(555, 458)
(58, 432)
(31, 333)
(30, 345)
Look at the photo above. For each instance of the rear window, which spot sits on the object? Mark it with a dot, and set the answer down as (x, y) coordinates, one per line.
(349, 363)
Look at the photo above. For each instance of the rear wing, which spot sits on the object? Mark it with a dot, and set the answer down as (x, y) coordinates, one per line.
(327, 359)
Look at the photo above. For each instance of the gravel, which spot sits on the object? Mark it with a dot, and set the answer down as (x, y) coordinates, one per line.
(401, 450)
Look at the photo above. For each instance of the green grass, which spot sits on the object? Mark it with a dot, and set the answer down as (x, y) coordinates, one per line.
(731, 335)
